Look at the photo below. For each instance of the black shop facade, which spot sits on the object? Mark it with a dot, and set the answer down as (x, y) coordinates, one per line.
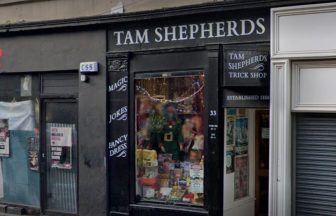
(187, 102)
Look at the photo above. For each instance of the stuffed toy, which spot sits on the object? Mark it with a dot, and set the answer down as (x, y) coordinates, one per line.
(198, 142)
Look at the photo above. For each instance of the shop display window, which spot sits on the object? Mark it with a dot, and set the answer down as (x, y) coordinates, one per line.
(19, 139)
(169, 138)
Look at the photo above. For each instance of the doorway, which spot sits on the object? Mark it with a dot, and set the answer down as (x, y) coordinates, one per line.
(246, 141)
(59, 156)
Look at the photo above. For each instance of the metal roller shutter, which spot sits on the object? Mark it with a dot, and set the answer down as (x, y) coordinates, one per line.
(315, 160)
(60, 83)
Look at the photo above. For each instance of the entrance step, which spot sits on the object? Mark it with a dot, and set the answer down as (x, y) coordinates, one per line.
(6, 210)
(15, 210)
(6, 214)
(3, 208)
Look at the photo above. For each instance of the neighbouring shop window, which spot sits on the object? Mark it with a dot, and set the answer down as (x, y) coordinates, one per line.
(170, 138)
(19, 139)
(237, 161)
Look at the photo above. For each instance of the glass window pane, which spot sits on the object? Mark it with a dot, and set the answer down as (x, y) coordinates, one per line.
(61, 118)
(19, 139)
(170, 139)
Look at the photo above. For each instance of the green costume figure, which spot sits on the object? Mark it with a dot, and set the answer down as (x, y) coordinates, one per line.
(172, 133)
(157, 121)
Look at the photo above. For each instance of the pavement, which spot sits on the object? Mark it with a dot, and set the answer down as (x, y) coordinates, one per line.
(5, 214)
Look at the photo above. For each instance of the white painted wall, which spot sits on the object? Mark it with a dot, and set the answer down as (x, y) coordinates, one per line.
(304, 32)
(313, 86)
(20, 11)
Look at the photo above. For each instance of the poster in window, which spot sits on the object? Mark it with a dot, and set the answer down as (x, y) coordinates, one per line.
(230, 125)
(4, 138)
(241, 136)
(241, 177)
(241, 112)
(33, 152)
(61, 144)
(230, 155)
(230, 139)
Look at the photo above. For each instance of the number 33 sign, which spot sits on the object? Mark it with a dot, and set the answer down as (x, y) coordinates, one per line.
(213, 113)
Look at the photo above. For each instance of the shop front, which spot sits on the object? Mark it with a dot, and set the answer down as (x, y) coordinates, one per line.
(170, 112)
(41, 117)
(188, 102)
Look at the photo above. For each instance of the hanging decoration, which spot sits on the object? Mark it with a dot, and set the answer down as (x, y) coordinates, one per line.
(163, 100)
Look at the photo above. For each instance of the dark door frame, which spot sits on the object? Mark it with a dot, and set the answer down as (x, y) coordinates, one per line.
(43, 151)
(258, 171)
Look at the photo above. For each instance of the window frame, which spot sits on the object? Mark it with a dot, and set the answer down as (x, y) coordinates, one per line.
(183, 59)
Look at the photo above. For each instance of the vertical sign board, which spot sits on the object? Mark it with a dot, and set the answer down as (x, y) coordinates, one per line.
(246, 77)
(117, 142)
(213, 130)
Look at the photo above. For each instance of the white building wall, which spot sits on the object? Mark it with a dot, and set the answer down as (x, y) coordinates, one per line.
(297, 33)
(18, 11)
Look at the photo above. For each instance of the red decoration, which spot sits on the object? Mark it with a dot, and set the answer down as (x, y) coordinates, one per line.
(1, 54)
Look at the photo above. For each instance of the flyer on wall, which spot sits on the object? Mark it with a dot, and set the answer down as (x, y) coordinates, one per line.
(33, 152)
(61, 145)
(4, 138)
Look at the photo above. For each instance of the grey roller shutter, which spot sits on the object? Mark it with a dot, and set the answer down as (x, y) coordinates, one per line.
(315, 165)
(60, 83)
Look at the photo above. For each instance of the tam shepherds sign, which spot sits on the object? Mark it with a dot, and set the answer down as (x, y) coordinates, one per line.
(228, 28)
(253, 28)
(243, 67)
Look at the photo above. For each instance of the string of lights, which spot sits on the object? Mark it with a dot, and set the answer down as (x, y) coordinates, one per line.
(145, 92)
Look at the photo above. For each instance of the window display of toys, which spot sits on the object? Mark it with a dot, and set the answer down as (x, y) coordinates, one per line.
(170, 139)
(149, 155)
(198, 198)
(148, 192)
(164, 179)
(165, 193)
(148, 166)
(151, 171)
(188, 197)
(177, 194)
